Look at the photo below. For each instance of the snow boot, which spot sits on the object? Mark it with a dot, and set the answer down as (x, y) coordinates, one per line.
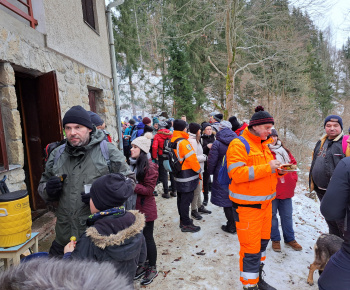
(150, 274)
(295, 246)
(262, 285)
(191, 228)
(181, 224)
(155, 193)
(173, 193)
(202, 209)
(228, 230)
(254, 287)
(141, 270)
(166, 195)
(276, 246)
(196, 215)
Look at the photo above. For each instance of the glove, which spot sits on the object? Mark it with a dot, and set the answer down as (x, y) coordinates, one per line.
(54, 186)
(85, 198)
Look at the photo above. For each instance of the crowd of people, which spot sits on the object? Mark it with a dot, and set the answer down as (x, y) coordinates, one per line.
(108, 200)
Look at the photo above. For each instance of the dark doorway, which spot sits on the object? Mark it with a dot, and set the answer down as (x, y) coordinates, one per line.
(38, 104)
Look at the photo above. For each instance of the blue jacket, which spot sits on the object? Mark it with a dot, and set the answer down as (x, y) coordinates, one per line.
(219, 196)
(140, 127)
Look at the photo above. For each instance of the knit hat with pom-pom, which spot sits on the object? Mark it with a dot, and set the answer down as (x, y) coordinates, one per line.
(143, 142)
(261, 117)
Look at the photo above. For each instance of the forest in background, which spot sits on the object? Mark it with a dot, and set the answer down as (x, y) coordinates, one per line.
(230, 56)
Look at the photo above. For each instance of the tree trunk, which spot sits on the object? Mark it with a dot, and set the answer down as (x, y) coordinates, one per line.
(132, 94)
(230, 36)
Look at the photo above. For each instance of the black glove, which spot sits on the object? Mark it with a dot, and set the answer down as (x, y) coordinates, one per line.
(85, 197)
(54, 186)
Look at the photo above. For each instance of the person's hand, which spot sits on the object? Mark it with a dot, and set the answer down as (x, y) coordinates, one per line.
(274, 164)
(209, 145)
(70, 247)
(85, 198)
(205, 156)
(54, 186)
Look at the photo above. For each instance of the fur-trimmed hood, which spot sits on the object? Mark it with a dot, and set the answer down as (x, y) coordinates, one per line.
(103, 241)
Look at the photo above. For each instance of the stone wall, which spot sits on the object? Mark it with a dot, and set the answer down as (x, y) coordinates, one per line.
(12, 127)
(23, 49)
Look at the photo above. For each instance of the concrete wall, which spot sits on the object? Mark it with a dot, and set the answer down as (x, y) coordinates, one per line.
(68, 34)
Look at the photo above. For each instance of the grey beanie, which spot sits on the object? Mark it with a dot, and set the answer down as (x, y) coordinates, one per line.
(225, 124)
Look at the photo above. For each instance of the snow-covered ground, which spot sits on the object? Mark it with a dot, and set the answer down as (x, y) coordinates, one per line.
(181, 267)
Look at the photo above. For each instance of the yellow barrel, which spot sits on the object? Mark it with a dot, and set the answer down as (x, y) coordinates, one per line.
(15, 218)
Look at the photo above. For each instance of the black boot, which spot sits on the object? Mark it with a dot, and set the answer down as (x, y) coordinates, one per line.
(205, 201)
(228, 230)
(196, 215)
(262, 283)
(254, 287)
(202, 209)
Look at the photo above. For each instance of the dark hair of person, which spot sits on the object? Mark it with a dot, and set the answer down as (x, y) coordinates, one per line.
(141, 166)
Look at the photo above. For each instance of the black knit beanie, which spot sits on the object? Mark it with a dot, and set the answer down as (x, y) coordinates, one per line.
(234, 122)
(179, 125)
(260, 117)
(77, 115)
(194, 127)
(205, 125)
(95, 119)
(218, 117)
(111, 190)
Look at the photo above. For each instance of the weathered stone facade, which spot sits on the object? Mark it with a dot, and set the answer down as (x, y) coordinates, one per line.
(24, 49)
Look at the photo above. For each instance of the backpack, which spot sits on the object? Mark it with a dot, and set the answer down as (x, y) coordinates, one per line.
(171, 162)
(50, 147)
(223, 178)
(133, 134)
(104, 150)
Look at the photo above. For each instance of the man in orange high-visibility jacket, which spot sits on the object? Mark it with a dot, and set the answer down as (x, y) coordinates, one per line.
(188, 178)
(252, 189)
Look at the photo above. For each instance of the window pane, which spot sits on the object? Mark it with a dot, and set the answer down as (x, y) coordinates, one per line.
(88, 12)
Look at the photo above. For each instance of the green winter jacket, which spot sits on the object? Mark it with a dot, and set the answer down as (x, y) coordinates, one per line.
(83, 165)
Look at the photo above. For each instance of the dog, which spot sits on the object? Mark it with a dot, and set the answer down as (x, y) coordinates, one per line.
(326, 245)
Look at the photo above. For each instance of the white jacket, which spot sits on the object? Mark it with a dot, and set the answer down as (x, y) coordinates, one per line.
(198, 149)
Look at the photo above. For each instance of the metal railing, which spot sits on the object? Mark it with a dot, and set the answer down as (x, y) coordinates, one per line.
(28, 16)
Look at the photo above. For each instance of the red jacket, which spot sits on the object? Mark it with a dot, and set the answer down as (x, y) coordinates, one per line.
(146, 202)
(240, 129)
(158, 142)
(286, 189)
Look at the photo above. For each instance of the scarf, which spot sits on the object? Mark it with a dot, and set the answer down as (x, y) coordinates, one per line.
(281, 153)
(115, 211)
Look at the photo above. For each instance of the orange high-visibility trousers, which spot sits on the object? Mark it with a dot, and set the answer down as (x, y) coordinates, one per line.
(253, 230)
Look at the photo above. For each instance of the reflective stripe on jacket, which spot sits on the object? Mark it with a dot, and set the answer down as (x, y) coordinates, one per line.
(253, 182)
(188, 178)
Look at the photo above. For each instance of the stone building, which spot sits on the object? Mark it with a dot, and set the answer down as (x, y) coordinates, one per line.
(53, 55)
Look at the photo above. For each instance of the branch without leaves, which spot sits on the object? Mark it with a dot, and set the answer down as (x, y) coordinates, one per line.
(220, 72)
(253, 63)
(192, 32)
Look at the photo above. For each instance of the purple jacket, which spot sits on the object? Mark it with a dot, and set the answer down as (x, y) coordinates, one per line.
(224, 137)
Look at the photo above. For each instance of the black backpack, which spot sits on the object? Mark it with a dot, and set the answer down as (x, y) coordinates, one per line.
(171, 162)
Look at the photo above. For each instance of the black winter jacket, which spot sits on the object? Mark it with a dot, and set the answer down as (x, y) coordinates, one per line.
(334, 154)
(119, 240)
(205, 140)
(335, 204)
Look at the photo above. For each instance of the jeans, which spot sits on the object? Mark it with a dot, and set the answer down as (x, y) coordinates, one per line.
(336, 274)
(285, 210)
(151, 245)
(184, 200)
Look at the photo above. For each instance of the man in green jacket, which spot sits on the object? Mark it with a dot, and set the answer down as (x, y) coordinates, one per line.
(72, 168)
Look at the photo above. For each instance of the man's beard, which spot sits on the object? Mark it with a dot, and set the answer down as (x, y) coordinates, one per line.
(81, 142)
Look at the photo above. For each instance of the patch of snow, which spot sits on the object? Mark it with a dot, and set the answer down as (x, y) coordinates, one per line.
(180, 267)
